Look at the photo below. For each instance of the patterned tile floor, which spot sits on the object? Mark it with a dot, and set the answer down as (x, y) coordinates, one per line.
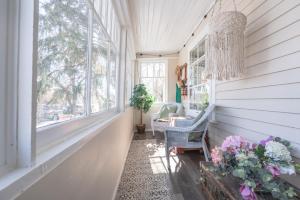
(145, 175)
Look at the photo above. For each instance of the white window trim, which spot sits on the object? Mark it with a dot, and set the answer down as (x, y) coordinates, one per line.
(156, 60)
(211, 83)
(62, 130)
(32, 166)
(10, 34)
(23, 16)
(51, 135)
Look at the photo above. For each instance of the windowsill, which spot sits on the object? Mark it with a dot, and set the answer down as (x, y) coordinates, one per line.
(48, 137)
(18, 180)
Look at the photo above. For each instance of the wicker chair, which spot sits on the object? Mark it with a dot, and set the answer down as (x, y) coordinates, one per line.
(161, 125)
(179, 136)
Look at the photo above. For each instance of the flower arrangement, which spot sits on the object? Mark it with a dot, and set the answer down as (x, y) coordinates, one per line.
(256, 165)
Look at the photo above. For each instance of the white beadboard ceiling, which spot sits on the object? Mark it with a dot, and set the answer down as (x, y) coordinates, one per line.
(163, 26)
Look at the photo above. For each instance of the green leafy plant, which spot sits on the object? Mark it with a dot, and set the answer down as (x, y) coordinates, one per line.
(297, 166)
(141, 99)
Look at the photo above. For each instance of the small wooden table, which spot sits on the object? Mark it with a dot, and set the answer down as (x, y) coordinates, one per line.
(225, 188)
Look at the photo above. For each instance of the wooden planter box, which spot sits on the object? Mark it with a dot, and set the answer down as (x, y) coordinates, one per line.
(225, 188)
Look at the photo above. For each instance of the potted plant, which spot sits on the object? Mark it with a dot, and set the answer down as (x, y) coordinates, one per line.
(142, 101)
(257, 167)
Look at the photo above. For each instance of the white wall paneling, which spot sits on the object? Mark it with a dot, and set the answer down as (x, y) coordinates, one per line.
(266, 100)
(92, 172)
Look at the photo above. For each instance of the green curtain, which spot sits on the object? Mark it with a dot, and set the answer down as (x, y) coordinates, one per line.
(178, 94)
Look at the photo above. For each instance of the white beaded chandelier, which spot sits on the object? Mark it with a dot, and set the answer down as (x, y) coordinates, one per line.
(225, 45)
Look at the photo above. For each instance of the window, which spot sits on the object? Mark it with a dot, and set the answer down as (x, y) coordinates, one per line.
(153, 75)
(198, 87)
(113, 79)
(128, 77)
(62, 60)
(77, 71)
(99, 101)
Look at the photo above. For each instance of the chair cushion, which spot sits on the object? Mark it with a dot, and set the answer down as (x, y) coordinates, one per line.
(180, 110)
(166, 109)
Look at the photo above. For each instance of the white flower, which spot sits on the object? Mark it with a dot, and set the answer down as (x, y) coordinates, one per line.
(277, 152)
(241, 156)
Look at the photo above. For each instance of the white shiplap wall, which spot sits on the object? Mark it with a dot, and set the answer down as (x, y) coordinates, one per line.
(266, 101)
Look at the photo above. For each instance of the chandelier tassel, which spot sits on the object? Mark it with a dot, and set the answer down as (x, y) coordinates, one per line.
(225, 46)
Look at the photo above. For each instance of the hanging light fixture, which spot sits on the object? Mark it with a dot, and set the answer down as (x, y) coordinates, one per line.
(225, 45)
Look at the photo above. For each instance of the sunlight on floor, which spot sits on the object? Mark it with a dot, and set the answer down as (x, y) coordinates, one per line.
(158, 159)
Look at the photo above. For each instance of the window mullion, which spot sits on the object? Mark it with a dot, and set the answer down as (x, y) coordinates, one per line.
(108, 76)
(12, 81)
(89, 65)
(106, 14)
(100, 8)
(27, 65)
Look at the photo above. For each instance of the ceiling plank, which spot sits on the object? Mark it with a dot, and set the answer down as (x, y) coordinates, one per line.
(163, 26)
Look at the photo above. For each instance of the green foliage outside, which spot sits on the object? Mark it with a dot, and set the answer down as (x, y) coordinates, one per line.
(62, 47)
(141, 99)
(204, 101)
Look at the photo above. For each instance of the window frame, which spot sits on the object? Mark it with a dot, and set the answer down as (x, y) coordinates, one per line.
(9, 77)
(153, 60)
(129, 72)
(207, 84)
(26, 154)
(62, 130)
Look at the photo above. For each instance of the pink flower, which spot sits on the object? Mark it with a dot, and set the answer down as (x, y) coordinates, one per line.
(217, 156)
(247, 193)
(264, 142)
(274, 170)
(234, 143)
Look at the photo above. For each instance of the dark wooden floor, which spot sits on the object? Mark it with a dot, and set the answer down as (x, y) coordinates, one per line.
(184, 182)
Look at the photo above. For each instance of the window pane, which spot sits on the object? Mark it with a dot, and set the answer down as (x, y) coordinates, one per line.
(156, 69)
(97, 6)
(62, 60)
(104, 11)
(148, 83)
(113, 79)
(158, 90)
(99, 70)
(128, 81)
(155, 79)
(162, 72)
(150, 69)
(144, 70)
